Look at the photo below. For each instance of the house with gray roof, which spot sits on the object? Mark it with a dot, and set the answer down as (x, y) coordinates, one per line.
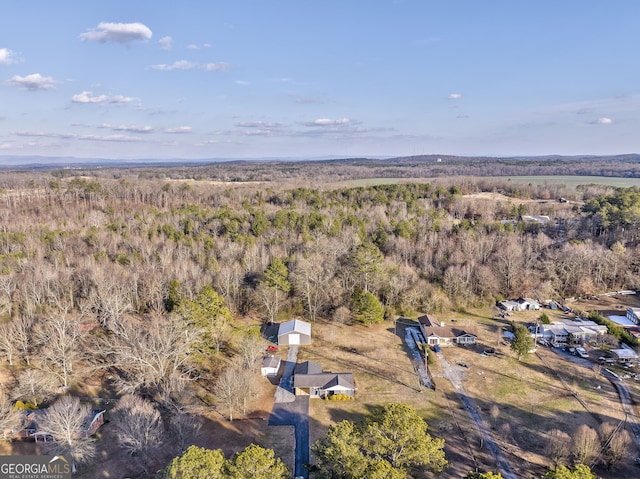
(310, 380)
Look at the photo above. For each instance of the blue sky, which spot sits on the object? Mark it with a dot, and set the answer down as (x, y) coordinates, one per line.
(292, 78)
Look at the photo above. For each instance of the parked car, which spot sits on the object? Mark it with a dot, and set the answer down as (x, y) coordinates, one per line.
(582, 352)
(272, 347)
(435, 348)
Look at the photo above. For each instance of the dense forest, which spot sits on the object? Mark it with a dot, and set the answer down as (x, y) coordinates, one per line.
(106, 272)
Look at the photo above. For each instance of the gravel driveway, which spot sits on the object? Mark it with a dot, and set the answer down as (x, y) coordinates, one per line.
(453, 375)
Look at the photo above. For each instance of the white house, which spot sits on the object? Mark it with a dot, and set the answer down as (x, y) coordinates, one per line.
(293, 333)
(310, 380)
(438, 334)
(520, 304)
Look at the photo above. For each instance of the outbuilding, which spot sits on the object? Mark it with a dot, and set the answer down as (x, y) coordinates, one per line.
(294, 333)
(270, 366)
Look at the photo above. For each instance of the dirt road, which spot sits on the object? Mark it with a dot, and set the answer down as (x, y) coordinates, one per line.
(452, 374)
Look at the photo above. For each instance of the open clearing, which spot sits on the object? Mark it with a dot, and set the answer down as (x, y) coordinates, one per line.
(543, 392)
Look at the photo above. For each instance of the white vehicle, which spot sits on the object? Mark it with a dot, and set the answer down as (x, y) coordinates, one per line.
(582, 352)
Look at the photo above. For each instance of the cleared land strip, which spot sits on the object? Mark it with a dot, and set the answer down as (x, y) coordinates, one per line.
(450, 374)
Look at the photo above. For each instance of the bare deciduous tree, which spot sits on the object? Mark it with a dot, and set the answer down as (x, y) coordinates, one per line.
(139, 428)
(150, 355)
(184, 429)
(64, 421)
(495, 414)
(10, 418)
(227, 391)
(615, 442)
(558, 446)
(33, 385)
(59, 339)
(251, 348)
(585, 444)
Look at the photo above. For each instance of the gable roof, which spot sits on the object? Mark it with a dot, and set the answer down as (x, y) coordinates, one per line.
(308, 367)
(326, 381)
(433, 329)
(295, 326)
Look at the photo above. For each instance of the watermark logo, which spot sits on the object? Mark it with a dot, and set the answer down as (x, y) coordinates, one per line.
(35, 467)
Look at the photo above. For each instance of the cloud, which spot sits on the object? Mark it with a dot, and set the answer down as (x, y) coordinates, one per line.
(134, 128)
(89, 97)
(241, 82)
(7, 56)
(216, 67)
(462, 116)
(258, 124)
(69, 136)
(328, 122)
(120, 99)
(187, 65)
(118, 33)
(178, 65)
(602, 121)
(33, 82)
(165, 43)
(193, 47)
(454, 96)
(179, 129)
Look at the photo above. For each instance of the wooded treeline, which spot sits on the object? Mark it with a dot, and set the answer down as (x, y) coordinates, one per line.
(107, 248)
(141, 281)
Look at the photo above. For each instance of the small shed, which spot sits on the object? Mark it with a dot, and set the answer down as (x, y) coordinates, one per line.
(270, 366)
(294, 333)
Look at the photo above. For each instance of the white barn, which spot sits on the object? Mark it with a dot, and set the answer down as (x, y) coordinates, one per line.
(294, 333)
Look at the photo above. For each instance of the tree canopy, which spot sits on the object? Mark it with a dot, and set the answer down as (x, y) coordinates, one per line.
(197, 463)
(367, 308)
(523, 342)
(254, 462)
(563, 472)
(391, 441)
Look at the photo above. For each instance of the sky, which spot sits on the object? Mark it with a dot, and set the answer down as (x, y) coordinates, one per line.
(211, 79)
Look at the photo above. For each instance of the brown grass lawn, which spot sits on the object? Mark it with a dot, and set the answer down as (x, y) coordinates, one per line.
(534, 396)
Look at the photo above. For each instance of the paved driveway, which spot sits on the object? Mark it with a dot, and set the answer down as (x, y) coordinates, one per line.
(295, 413)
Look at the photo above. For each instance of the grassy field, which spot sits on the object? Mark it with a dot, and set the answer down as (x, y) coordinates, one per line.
(543, 392)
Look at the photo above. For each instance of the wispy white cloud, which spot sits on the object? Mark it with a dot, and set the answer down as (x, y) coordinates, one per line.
(33, 82)
(89, 97)
(462, 116)
(259, 124)
(192, 47)
(69, 136)
(454, 96)
(241, 82)
(177, 65)
(118, 33)
(187, 65)
(134, 128)
(602, 121)
(7, 56)
(216, 67)
(328, 122)
(178, 130)
(120, 99)
(165, 43)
